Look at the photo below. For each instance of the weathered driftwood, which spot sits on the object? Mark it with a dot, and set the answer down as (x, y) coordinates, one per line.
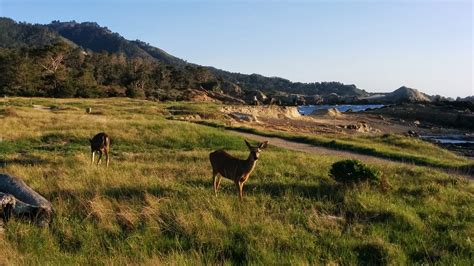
(7, 203)
(26, 202)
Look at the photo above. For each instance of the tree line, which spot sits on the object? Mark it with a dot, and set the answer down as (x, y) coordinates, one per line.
(61, 70)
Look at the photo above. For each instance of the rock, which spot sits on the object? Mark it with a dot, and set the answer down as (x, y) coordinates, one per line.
(255, 97)
(190, 117)
(210, 96)
(313, 99)
(231, 89)
(332, 98)
(332, 112)
(267, 111)
(416, 122)
(412, 133)
(243, 117)
(362, 127)
(289, 99)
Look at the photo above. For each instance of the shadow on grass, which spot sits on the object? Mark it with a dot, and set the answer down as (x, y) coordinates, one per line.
(322, 191)
(129, 192)
(118, 193)
(25, 160)
(371, 254)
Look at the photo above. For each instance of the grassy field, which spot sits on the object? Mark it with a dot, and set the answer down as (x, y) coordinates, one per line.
(155, 203)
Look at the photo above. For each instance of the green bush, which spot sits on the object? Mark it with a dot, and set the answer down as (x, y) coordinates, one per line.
(351, 171)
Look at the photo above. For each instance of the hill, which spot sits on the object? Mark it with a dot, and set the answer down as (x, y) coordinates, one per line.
(402, 95)
(18, 35)
(174, 80)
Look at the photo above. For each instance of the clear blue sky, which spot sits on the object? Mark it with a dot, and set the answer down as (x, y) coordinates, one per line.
(377, 45)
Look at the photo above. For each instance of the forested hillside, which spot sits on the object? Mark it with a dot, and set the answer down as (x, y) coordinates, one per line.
(69, 59)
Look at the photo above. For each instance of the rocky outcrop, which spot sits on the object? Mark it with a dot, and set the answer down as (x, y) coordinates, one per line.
(289, 99)
(265, 111)
(202, 95)
(465, 99)
(313, 99)
(255, 97)
(231, 89)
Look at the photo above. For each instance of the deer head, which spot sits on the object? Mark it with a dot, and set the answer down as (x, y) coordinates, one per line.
(255, 150)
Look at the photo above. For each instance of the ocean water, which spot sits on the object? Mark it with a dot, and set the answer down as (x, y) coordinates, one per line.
(449, 139)
(308, 109)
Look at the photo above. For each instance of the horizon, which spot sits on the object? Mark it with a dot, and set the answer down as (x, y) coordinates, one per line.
(428, 44)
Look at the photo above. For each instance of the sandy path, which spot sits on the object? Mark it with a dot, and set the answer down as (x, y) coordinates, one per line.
(296, 146)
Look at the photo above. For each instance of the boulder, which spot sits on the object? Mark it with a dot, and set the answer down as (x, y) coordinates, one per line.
(362, 127)
(243, 117)
(332, 112)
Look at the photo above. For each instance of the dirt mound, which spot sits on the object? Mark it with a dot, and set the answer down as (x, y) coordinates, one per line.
(267, 111)
(333, 112)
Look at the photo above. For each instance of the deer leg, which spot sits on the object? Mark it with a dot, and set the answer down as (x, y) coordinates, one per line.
(100, 157)
(237, 184)
(219, 178)
(241, 192)
(92, 157)
(216, 181)
(107, 160)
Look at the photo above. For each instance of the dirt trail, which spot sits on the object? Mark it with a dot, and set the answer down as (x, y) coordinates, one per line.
(296, 146)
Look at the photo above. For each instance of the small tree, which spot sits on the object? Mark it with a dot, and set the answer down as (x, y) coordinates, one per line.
(352, 171)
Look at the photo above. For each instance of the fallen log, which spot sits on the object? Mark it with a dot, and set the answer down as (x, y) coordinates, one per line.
(7, 203)
(26, 202)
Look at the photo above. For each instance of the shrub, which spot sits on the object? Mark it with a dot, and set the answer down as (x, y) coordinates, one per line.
(351, 171)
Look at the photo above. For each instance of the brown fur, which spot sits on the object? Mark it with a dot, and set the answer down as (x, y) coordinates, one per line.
(237, 170)
(100, 143)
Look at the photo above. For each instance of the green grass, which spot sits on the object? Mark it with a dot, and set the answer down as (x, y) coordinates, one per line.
(155, 203)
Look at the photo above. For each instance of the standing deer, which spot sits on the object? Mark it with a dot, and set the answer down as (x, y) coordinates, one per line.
(237, 170)
(100, 143)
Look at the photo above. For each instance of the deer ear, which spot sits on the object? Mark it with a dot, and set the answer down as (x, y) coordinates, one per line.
(248, 144)
(263, 145)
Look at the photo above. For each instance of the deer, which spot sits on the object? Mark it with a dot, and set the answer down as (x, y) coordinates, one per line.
(100, 143)
(235, 169)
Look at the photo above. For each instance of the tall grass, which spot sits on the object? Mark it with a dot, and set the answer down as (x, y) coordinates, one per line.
(155, 203)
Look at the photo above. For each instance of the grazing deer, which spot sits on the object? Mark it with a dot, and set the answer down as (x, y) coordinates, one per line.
(100, 143)
(237, 170)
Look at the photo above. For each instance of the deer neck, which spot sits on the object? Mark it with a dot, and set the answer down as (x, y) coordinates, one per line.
(250, 163)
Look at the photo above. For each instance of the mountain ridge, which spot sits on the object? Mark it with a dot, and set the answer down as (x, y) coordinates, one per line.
(96, 39)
